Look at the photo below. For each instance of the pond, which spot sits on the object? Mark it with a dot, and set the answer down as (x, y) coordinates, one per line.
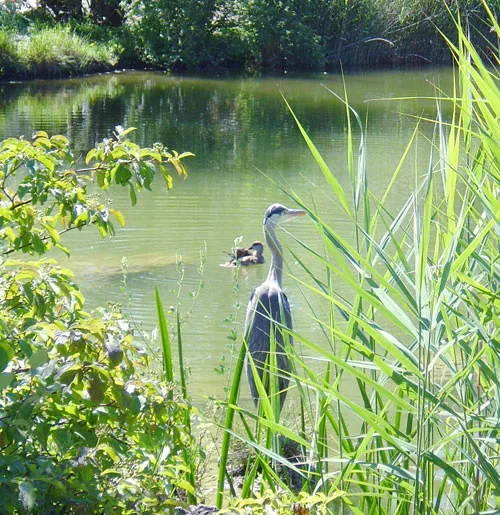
(248, 149)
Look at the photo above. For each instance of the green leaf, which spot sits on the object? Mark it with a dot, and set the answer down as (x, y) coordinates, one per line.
(52, 232)
(119, 216)
(38, 358)
(121, 174)
(332, 181)
(147, 152)
(58, 138)
(186, 154)
(6, 379)
(43, 142)
(6, 354)
(165, 341)
(67, 373)
(9, 232)
(96, 388)
(102, 180)
(46, 161)
(90, 155)
(109, 451)
(111, 472)
(127, 131)
(38, 244)
(166, 177)
(63, 249)
(133, 196)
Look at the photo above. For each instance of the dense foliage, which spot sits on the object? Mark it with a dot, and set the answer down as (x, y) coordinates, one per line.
(256, 35)
(84, 427)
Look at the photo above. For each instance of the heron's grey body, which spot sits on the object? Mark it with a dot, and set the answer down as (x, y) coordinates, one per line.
(268, 312)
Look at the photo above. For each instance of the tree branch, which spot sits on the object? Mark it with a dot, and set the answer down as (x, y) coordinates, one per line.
(47, 237)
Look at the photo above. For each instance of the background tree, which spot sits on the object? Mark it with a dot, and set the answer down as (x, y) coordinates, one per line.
(107, 12)
(63, 9)
(175, 34)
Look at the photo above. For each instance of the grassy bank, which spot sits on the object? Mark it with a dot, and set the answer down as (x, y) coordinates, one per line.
(52, 52)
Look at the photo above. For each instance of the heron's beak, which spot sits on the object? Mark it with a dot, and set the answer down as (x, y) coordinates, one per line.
(292, 213)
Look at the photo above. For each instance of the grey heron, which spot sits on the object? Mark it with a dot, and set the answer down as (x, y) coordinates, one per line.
(268, 311)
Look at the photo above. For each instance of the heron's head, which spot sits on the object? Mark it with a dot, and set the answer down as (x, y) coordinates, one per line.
(257, 246)
(277, 214)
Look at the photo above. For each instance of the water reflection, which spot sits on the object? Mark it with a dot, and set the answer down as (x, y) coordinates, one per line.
(241, 133)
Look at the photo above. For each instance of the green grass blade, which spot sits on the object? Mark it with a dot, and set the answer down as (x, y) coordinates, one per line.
(334, 184)
(165, 342)
(226, 439)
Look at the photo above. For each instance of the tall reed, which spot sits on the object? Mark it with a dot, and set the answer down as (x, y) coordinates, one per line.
(169, 375)
(420, 336)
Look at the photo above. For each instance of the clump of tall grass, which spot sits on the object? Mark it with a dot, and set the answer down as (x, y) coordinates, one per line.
(59, 50)
(53, 52)
(10, 61)
(404, 417)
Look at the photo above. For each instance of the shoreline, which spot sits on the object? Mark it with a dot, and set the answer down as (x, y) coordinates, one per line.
(225, 73)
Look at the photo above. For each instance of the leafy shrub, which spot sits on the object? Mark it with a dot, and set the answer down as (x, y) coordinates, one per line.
(53, 51)
(233, 37)
(84, 428)
(284, 36)
(257, 34)
(11, 18)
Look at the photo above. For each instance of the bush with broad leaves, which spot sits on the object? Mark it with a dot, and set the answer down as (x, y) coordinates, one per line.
(84, 428)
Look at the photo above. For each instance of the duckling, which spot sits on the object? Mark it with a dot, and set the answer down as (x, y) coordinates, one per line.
(256, 257)
(252, 255)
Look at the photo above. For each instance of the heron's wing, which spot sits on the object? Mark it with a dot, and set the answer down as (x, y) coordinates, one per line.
(270, 302)
(258, 324)
(280, 307)
(268, 307)
(282, 315)
(285, 306)
(250, 310)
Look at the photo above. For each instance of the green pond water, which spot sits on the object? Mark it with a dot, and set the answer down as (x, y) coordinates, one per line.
(247, 147)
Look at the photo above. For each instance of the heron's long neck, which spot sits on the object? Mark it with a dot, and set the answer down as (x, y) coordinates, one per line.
(276, 268)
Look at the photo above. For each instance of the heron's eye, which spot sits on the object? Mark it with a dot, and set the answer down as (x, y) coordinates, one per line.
(275, 209)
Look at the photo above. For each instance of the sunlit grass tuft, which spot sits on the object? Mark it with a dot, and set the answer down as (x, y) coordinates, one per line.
(53, 52)
(9, 57)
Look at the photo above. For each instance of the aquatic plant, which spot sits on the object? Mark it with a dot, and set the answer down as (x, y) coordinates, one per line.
(403, 416)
